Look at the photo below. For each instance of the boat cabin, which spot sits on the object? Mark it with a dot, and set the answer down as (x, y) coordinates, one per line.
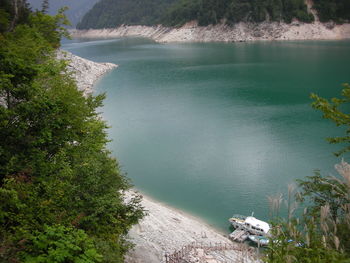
(255, 225)
(250, 224)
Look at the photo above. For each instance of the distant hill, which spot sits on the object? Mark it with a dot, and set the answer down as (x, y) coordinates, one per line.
(77, 8)
(112, 13)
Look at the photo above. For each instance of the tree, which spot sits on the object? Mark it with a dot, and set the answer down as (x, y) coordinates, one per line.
(45, 6)
(323, 191)
(322, 234)
(61, 192)
(333, 110)
(59, 244)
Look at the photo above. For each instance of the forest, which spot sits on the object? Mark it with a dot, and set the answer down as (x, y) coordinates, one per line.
(61, 192)
(113, 13)
(76, 9)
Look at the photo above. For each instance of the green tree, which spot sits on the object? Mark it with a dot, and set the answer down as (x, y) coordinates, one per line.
(45, 6)
(333, 109)
(59, 244)
(322, 234)
(336, 10)
(57, 178)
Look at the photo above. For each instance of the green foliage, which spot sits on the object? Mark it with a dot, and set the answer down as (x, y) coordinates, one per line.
(75, 12)
(232, 11)
(51, 27)
(108, 13)
(286, 249)
(112, 13)
(4, 20)
(334, 110)
(321, 191)
(181, 12)
(323, 232)
(59, 244)
(61, 193)
(13, 13)
(336, 10)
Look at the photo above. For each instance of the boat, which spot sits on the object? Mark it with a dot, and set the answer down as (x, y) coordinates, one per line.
(251, 225)
(259, 240)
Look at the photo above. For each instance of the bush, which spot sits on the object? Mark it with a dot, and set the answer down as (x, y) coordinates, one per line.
(59, 244)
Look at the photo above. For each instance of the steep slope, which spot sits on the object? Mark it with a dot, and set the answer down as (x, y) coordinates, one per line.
(77, 9)
(336, 10)
(208, 12)
(176, 13)
(112, 13)
(242, 31)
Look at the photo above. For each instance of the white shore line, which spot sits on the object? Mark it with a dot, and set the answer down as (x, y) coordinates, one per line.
(165, 228)
(239, 32)
(84, 71)
(182, 212)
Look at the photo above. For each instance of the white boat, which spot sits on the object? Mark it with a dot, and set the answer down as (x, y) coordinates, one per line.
(251, 225)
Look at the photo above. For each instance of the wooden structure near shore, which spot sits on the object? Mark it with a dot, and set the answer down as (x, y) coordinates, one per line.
(179, 255)
(239, 235)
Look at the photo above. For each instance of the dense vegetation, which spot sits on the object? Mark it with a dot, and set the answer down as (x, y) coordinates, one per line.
(212, 12)
(322, 234)
(61, 193)
(76, 9)
(336, 10)
(113, 13)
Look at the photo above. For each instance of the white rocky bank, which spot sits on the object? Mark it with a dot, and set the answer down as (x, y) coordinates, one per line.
(164, 229)
(84, 71)
(191, 32)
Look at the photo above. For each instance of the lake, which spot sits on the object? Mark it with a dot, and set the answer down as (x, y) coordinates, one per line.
(215, 128)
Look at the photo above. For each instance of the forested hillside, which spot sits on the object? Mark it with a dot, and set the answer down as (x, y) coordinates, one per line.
(336, 10)
(77, 9)
(112, 13)
(212, 12)
(61, 193)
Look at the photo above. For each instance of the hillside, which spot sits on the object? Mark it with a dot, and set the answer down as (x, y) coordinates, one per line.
(61, 191)
(77, 9)
(113, 13)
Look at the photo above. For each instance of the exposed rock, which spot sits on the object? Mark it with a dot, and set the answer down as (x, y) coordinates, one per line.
(165, 230)
(190, 32)
(85, 72)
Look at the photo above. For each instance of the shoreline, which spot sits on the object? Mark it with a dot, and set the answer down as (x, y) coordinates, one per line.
(181, 212)
(85, 72)
(165, 229)
(240, 32)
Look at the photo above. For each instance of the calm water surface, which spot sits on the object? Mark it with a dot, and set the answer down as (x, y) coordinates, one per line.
(215, 128)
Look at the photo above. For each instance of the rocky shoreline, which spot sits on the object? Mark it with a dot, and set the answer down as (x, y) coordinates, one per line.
(84, 71)
(239, 32)
(164, 230)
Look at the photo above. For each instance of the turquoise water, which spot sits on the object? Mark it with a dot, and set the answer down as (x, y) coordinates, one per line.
(215, 128)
